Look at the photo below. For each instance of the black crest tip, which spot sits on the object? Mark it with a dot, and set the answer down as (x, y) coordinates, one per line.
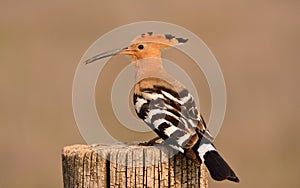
(150, 33)
(169, 36)
(182, 40)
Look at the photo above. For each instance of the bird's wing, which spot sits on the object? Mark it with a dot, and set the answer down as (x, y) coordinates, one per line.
(172, 114)
(190, 111)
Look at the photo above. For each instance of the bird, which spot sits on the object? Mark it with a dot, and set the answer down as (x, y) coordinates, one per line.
(167, 106)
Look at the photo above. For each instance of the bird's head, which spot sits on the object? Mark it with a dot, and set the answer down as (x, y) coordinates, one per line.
(147, 45)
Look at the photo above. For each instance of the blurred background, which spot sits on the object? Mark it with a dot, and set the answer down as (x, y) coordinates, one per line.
(256, 44)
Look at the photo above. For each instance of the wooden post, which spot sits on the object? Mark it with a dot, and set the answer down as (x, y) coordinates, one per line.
(129, 166)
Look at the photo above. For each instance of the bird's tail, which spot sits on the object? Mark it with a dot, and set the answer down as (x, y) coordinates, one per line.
(216, 165)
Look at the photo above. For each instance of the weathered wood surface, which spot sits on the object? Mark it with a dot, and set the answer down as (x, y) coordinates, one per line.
(129, 166)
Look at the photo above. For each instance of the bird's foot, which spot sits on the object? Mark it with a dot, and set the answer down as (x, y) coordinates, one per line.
(151, 142)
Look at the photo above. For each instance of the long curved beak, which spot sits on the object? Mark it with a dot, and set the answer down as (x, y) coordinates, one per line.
(106, 54)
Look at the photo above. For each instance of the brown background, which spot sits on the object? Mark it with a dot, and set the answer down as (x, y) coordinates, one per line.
(255, 42)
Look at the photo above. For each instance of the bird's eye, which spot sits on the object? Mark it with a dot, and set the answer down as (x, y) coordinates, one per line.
(140, 46)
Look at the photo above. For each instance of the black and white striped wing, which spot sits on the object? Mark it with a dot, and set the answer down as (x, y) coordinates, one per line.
(172, 115)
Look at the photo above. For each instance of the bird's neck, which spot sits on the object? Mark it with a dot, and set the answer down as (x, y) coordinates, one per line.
(150, 67)
(153, 68)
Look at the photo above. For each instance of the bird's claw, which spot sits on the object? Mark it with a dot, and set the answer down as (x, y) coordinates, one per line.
(151, 142)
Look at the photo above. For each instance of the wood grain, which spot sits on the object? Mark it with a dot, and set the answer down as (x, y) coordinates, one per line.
(129, 166)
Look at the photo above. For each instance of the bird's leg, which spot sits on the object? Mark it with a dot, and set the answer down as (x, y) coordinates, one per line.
(150, 142)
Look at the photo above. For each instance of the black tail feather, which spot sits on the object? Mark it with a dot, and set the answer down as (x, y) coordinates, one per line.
(218, 168)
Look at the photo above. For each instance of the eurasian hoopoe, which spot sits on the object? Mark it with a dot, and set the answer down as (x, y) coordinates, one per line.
(167, 107)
